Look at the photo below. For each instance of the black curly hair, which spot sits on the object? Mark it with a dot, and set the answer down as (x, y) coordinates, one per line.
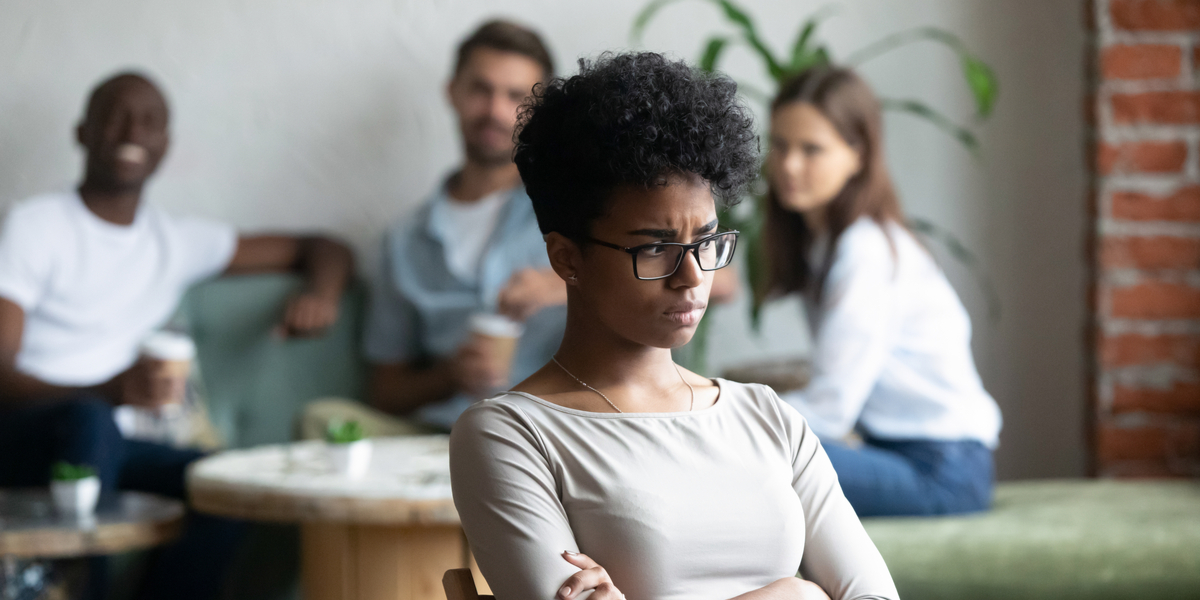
(630, 119)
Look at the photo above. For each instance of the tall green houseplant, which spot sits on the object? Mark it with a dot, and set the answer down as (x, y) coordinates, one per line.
(807, 51)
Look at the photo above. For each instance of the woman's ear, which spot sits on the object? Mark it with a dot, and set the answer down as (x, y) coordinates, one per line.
(565, 256)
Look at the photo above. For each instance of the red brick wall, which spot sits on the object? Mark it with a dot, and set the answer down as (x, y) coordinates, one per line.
(1145, 69)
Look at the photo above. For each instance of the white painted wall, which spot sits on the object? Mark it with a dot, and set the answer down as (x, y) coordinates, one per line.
(329, 114)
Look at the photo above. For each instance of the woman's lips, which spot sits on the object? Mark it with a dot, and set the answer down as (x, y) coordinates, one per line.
(686, 314)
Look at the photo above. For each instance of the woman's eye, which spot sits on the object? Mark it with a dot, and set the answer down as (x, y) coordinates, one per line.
(812, 150)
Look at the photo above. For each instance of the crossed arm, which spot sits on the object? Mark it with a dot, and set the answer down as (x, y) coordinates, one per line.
(327, 265)
(592, 576)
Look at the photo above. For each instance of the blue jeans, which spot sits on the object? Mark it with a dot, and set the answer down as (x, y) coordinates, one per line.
(81, 430)
(913, 477)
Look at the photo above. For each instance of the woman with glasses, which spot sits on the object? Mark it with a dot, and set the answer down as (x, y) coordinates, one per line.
(892, 352)
(612, 471)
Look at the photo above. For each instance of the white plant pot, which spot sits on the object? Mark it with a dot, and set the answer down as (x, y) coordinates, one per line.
(351, 460)
(76, 498)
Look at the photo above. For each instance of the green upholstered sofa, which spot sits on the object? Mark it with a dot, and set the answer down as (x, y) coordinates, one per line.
(256, 381)
(1043, 539)
(1060, 540)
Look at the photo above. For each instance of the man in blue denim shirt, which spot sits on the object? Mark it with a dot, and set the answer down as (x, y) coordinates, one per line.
(473, 247)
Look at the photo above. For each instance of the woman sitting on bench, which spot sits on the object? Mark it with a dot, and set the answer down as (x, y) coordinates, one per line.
(892, 354)
(612, 470)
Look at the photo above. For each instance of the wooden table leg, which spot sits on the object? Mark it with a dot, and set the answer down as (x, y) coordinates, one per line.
(378, 562)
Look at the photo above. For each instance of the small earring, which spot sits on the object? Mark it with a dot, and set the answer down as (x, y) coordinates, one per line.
(573, 278)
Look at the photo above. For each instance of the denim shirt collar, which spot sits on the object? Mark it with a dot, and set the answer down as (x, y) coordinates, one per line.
(493, 274)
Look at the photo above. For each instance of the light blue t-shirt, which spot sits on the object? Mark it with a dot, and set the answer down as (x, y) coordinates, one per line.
(420, 309)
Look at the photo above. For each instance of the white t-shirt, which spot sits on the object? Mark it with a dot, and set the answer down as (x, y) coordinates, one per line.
(892, 352)
(92, 290)
(467, 227)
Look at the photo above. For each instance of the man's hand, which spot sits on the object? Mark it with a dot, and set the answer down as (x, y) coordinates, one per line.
(477, 371)
(309, 314)
(531, 290)
(590, 577)
(326, 264)
(147, 383)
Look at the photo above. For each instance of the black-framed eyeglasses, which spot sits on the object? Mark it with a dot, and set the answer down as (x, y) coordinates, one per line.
(659, 260)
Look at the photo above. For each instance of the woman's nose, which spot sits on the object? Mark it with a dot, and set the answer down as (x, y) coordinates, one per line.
(689, 274)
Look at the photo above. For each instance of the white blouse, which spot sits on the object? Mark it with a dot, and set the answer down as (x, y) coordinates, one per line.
(691, 505)
(892, 351)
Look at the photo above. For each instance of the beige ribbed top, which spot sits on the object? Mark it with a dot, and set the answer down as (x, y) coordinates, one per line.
(691, 505)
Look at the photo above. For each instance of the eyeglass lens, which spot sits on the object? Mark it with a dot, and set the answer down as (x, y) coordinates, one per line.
(661, 260)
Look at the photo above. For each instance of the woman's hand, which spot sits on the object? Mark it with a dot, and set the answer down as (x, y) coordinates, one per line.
(591, 577)
(789, 588)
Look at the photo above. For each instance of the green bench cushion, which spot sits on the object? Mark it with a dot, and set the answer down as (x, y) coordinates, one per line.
(1053, 539)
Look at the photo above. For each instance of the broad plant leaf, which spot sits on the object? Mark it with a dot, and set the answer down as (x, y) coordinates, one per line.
(920, 109)
(712, 53)
(738, 17)
(800, 51)
(734, 14)
(804, 57)
(983, 83)
(979, 76)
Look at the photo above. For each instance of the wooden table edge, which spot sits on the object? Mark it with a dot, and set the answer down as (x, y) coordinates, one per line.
(271, 505)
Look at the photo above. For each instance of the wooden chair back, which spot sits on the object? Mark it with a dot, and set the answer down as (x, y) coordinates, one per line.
(460, 585)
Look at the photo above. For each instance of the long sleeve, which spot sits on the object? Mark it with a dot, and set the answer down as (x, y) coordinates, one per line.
(507, 498)
(839, 556)
(855, 331)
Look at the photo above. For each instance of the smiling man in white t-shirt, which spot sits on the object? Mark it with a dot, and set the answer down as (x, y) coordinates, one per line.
(85, 276)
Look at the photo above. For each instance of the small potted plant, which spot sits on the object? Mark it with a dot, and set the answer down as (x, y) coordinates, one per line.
(349, 448)
(75, 489)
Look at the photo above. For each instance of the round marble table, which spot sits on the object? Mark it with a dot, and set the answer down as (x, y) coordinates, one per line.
(33, 535)
(30, 527)
(390, 534)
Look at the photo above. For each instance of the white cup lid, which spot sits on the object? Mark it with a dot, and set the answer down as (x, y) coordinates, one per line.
(494, 325)
(168, 345)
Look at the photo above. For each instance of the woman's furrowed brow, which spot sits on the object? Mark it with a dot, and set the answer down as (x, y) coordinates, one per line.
(671, 233)
(656, 233)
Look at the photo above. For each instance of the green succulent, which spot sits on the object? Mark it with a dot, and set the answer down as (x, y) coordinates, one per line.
(344, 432)
(65, 471)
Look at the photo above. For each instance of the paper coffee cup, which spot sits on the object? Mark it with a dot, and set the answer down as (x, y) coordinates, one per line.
(176, 351)
(499, 334)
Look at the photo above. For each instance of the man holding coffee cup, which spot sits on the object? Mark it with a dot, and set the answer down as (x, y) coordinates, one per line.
(468, 275)
(85, 278)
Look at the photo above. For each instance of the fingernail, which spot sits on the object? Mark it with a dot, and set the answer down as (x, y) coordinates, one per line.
(564, 591)
(569, 553)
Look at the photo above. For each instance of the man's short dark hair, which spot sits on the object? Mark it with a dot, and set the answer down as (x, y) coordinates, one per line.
(630, 120)
(506, 36)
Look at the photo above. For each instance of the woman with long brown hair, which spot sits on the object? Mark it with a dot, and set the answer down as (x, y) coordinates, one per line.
(892, 357)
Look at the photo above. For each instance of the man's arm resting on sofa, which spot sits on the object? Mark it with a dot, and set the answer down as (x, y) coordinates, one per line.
(326, 264)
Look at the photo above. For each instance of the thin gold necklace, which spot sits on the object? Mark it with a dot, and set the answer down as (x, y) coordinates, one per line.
(691, 389)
